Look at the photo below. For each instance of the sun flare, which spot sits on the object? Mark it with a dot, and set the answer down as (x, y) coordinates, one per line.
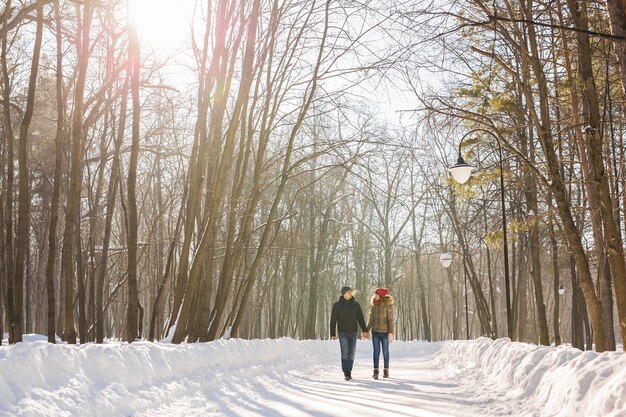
(162, 24)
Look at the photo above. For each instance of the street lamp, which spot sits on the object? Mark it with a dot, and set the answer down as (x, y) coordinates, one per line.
(461, 172)
(446, 259)
(561, 290)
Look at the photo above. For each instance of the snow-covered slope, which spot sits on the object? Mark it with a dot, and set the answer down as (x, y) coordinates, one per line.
(225, 377)
(539, 380)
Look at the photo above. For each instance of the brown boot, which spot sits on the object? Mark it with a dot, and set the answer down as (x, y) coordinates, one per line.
(375, 376)
(385, 373)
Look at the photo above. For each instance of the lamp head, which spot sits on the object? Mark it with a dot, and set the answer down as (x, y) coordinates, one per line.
(461, 171)
(445, 259)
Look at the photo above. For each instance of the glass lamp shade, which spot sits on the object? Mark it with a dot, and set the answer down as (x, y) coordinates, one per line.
(461, 172)
(561, 290)
(445, 259)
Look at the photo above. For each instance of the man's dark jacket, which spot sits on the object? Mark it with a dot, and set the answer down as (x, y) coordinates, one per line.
(347, 316)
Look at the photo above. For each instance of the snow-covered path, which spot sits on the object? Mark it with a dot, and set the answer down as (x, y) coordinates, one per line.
(290, 378)
(417, 388)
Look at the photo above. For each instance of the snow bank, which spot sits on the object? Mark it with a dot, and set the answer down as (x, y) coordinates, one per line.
(540, 380)
(116, 379)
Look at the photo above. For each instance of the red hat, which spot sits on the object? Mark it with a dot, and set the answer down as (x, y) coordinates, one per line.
(383, 292)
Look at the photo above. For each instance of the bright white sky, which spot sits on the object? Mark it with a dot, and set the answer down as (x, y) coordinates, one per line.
(163, 24)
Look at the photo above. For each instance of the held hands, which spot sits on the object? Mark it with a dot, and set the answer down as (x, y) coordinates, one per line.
(390, 337)
(364, 335)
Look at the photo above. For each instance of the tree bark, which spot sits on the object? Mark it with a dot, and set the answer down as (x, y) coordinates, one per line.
(197, 160)
(23, 220)
(9, 260)
(218, 186)
(543, 123)
(132, 329)
(73, 198)
(534, 245)
(110, 209)
(58, 165)
(80, 277)
(417, 243)
(482, 306)
(265, 238)
(617, 19)
(594, 131)
(554, 255)
(593, 198)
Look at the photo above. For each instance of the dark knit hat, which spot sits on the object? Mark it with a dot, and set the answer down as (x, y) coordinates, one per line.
(345, 290)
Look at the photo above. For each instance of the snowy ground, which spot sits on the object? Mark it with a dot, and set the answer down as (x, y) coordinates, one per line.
(290, 378)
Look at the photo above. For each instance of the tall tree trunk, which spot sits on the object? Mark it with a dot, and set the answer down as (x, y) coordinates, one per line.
(235, 249)
(161, 290)
(169, 264)
(218, 186)
(311, 314)
(534, 246)
(73, 195)
(3, 272)
(197, 160)
(554, 255)
(58, 165)
(94, 223)
(593, 197)
(9, 260)
(417, 243)
(617, 19)
(80, 278)
(23, 219)
(577, 313)
(110, 210)
(492, 292)
(132, 329)
(594, 131)
(522, 290)
(210, 319)
(543, 123)
(322, 243)
(265, 237)
(482, 306)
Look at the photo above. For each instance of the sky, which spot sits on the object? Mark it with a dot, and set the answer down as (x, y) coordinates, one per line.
(163, 24)
(164, 29)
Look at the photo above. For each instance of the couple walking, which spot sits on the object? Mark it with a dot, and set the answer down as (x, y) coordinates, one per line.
(347, 315)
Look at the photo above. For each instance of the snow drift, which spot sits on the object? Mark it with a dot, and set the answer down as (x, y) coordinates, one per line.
(541, 380)
(117, 379)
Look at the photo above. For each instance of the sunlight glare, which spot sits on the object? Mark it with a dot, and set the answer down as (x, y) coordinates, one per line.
(162, 24)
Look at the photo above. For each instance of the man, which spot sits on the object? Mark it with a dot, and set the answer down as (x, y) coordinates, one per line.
(347, 316)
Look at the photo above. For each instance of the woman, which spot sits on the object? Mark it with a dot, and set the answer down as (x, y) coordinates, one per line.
(381, 323)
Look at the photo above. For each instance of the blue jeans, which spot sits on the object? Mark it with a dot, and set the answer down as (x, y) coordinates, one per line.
(381, 339)
(347, 342)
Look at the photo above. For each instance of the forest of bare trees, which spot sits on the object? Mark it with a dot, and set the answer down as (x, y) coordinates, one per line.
(231, 188)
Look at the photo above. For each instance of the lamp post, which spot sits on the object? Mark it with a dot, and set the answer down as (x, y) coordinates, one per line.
(446, 260)
(461, 172)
